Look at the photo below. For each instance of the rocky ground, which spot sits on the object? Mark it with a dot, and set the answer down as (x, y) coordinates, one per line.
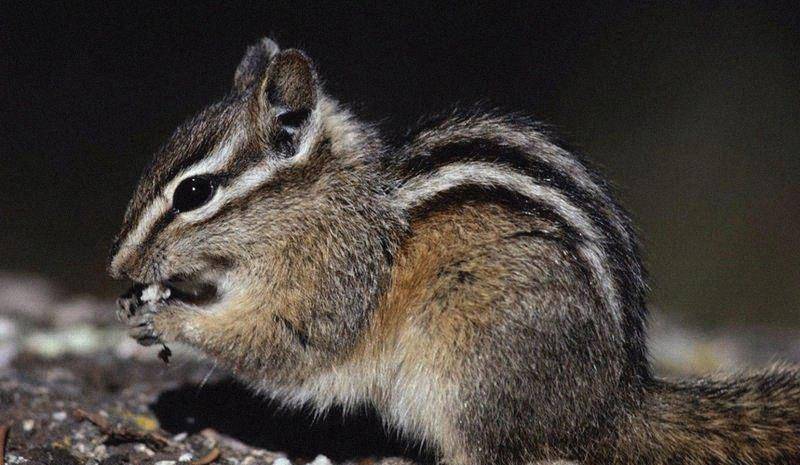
(74, 390)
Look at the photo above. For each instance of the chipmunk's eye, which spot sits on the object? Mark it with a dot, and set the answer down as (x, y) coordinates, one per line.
(193, 192)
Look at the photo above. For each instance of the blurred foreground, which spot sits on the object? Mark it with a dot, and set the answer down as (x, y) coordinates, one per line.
(76, 390)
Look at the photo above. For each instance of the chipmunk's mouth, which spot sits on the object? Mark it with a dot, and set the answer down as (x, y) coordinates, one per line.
(175, 291)
(192, 292)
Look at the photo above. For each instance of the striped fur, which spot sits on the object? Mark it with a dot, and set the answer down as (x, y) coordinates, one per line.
(515, 155)
(479, 285)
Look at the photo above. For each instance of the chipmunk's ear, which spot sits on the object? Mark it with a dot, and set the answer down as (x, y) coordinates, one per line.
(254, 64)
(288, 92)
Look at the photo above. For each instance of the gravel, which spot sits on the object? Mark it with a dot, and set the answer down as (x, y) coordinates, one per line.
(76, 390)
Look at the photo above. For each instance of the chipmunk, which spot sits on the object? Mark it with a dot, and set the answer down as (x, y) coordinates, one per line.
(478, 285)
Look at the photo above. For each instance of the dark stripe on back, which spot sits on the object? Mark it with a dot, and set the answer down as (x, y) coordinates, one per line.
(488, 151)
(477, 194)
(625, 265)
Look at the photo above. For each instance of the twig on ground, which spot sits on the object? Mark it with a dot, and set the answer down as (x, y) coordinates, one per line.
(208, 458)
(3, 438)
(121, 433)
(164, 354)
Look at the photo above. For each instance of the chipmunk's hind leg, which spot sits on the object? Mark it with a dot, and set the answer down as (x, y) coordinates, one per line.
(542, 368)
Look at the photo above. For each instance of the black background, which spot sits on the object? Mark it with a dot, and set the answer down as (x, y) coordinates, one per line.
(693, 110)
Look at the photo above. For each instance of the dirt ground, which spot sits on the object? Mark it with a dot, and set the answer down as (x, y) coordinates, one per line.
(74, 390)
(106, 410)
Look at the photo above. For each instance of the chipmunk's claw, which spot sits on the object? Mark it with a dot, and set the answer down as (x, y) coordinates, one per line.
(141, 327)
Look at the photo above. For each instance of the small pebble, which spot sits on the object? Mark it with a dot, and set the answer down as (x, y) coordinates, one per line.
(7, 328)
(28, 425)
(12, 459)
(321, 460)
(100, 452)
(282, 461)
(144, 450)
(60, 416)
(187, 457)
(165, 462)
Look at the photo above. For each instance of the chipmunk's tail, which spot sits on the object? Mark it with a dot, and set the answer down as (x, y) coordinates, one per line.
(752, 419)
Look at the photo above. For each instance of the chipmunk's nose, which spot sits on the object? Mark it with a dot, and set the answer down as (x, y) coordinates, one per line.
(115, 259)
(114, 262)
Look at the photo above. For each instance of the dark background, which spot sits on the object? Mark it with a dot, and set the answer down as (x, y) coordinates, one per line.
(693, 110)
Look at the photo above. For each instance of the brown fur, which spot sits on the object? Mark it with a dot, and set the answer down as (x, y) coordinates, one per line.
(474, 321)
(753, 419)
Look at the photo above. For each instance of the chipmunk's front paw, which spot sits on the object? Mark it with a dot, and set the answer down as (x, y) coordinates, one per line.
(142, 327)
(137, 309)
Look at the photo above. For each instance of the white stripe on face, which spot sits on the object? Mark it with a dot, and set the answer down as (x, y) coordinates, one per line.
(163, 202)
(248, 181)
(421, 189)
(256, 176)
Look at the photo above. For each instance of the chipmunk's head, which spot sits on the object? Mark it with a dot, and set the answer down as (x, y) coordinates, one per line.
(241, 195)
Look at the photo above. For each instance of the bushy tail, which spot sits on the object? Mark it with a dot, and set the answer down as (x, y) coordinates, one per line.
(753, 419)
